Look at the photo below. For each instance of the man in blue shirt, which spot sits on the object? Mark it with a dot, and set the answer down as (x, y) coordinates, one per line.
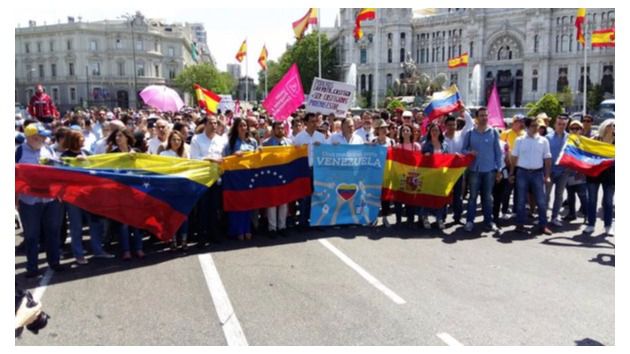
(483, 143)
(559, 174)
(41, 217)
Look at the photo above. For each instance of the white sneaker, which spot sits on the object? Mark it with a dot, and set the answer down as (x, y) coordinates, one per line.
(469, 227)
(557, 222)
(609, 230)
(506, 216)
(589, 229)
(441, 225)
(426, 223)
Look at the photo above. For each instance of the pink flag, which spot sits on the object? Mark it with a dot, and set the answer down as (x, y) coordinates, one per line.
(286, 96)
(495, 114)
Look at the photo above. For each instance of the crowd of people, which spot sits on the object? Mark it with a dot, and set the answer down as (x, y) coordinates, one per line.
(514, 172)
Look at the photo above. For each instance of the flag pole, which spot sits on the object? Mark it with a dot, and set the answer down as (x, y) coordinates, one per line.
(265, 83)
(584, 71)
(246, 77)
(376, 52)
(319, 42)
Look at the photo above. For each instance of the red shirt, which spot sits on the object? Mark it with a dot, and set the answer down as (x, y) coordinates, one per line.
(42, 106)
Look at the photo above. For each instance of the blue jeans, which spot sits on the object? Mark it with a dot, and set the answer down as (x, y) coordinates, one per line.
(607, 203)
(239, 222)
(41, 219)
(534, 181)
(75, 217)
(480, 183)
(458, 202)
(559, 181)
(582, 193)
(126, 232)
(97, 231)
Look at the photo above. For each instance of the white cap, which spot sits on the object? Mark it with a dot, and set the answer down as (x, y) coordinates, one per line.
(407, 114)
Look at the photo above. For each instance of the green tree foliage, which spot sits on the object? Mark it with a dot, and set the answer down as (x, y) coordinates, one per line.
(565, 98)
(207, 76)
(304, 54)
(395, 103)
(548, 104)
(594, 97)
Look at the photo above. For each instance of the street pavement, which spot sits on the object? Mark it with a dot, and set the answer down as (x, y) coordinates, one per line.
(342, 286)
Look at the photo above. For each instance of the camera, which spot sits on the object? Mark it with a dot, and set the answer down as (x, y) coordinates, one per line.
(42, 319)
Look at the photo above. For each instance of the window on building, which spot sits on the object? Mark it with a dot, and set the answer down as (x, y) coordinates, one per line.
(459, 50)
(453, 79)
(39, 47)
(443, 52)
(93, 45)
(402, 55)
(171, 51)
(139, 44)
(71, 69)
(69, 44)
(536, 42)
(172, 73)
(140, 68)
(370, 82)
(370, 37)
(73, 94)
(51, 46)
(389, 81)
(27, 48)
(362, 83)
(390, 40)
(389, 55)
(55, 94)
(157, 70)
(95, 68)
(432, 55)
(121, 68)
(41, 70)
(403, 39)
(564, 45)
(363, 55)
(471, 47)
(29, 73)
(588, 79)
(563, 79)
(53, 70)
(119, 43)
(535, 80)
(417, 55)
(156, 46)
(449, 52)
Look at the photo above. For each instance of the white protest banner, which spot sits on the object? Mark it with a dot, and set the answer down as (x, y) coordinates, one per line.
(329, 96)
(226, 103)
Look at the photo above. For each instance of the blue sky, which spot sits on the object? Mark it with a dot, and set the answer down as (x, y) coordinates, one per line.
(226, 27)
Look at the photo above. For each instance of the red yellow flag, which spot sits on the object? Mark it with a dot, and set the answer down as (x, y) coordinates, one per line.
(262, 59)
(460, 61)
(579, 24)
(603, 38)
(242, 51)
(207, 99)
(363, 15)
(300, 26)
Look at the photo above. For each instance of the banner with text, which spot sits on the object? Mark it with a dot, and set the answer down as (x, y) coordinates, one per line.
(330, 97)
(347, 184)
(286, 96)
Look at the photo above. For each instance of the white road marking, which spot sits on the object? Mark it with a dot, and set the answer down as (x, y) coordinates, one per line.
(446, 338)
(43, 284)
(229, 322)
(362, 272)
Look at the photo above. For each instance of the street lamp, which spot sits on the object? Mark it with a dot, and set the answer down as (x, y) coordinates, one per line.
(131, 19)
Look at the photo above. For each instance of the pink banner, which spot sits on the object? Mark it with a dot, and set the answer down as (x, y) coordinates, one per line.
(495, 114)
(286, 96)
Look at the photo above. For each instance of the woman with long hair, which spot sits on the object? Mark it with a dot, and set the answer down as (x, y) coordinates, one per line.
(239, 142)
(406, 142)
(433, 144)
(606, 179)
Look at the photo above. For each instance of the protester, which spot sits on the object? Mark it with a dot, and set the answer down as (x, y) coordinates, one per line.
(175, 148)
(433, 144)
(587, 126)
(531, 168)
(366, 132)
(42, 107)
(483, 143)
(405, 142)
(381, 128)
(159, 140)
(576, 184)
(277, 215)
(347, 135)
(559, 174)
(605, 133)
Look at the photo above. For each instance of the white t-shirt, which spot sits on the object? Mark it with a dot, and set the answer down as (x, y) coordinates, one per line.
(201, 146)
(531, 151)
(338, 138)
(169, 153)
(304, 138)
(154, 145)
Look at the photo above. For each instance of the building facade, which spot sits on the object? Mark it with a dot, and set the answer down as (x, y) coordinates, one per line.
(92, 63)
(234, 70)
(527, 52)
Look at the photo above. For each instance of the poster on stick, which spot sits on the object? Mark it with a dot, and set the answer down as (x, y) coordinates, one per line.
(329, 96)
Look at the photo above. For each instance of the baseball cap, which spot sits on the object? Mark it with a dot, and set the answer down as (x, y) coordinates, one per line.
(36, 129)
(407, 114)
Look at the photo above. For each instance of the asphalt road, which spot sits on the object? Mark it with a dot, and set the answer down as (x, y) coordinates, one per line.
(381, 286)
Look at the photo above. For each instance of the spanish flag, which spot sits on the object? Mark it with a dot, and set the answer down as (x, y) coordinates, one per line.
(587, 156)
(363, 15)
(272, 176)
(150, 192)
(603, 38)
(242, 51)
(262, 59)
(207, 99)
(300, 26)
(460, 61)
(425, 181)
(579, 24)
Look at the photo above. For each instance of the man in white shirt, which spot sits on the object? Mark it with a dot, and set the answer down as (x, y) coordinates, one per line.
(161, 127)
(366, 132)
(348, 135)
(531, 157)
(209, 146)
(309, 136)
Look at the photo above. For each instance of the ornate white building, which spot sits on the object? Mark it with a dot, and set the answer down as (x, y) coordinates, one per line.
(528, 52)
(93, 63)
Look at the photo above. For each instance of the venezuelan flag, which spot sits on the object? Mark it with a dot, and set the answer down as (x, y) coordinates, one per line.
(155, 193)
(207, 99)
(273, 176)
(443, 102)
(300, 26)
(587, 156)
(603, 38)
(460, 61)
(363, 15)
(426, 181)
(242, 51)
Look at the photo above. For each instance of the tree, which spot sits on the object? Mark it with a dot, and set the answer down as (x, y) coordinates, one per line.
(548, 104)
(594, 97)
(303, 53)
(207, 76)
(395, 103)
(565, 97)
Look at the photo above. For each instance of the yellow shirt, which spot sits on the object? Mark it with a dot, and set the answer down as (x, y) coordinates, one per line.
(510, 136)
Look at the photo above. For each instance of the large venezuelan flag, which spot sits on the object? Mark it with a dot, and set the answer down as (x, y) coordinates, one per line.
(150, 192)
(587, 156)
(273, 176)
(426, 181)
(443, 102)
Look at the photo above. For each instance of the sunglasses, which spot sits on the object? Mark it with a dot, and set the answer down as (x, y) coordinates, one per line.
(587, 121)
(574, 128)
